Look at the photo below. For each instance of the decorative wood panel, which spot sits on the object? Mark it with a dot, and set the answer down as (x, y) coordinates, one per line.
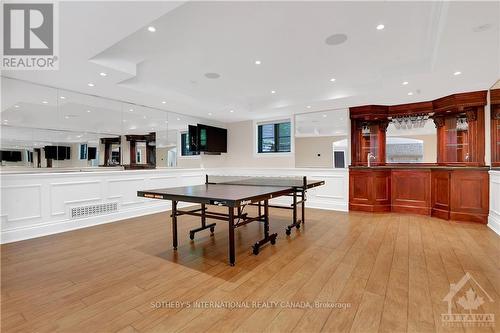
(411, 191)
(469, 196)
(440, 199)
(456, 194)
(369, 191)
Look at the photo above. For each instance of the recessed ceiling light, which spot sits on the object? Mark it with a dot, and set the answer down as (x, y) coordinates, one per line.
(16, 106)
(151, 28)
(410, 93)
(258, 62)
(62, 97)
(308, 106)
(273, 91)
(124, 120)
(103, 74)
(90, 84)
(144, 117)
(324, 116)
(481, 28)
(380, 27)
(66, 117)
(231, 111)
(457, 73)
(45, 102)
(332, 79)
(88, 111)
(210, 113)
(212, 75)
(336, 39)
(405, 83)
(178, 118)
(131, 110)
(163, 102)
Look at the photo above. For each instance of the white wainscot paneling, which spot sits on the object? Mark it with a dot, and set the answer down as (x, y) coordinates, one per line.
(35, 205)
(124, 190)
(24, 202)
(494, 215)
(333, 195)
(67, 194)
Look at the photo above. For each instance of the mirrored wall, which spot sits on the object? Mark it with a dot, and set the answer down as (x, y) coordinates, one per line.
(43, 127)
(321, 139)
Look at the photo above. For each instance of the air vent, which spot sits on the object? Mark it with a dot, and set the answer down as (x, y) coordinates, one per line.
(92, 210)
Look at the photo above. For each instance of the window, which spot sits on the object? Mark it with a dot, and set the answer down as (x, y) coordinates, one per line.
(83, 151)
(185, 151)
(274, 138)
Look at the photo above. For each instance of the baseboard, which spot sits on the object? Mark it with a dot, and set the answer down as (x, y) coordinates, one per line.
(494, 222)
(35, 231)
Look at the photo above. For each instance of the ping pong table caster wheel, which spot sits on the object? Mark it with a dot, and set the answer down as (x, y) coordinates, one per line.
(297, 226)
(255, 250)
(212, 229)
(273, 241)
(191, 235)
(288, 232)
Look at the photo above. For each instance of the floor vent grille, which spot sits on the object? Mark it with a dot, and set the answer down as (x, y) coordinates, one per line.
(92, 210)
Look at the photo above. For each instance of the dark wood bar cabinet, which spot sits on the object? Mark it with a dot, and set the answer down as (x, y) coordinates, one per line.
(454, 188)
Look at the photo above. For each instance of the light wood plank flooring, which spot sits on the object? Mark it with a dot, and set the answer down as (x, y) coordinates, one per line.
(394, 271)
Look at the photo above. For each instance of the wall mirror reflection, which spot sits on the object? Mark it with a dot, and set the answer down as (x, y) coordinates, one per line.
(411, 139)
(321, 139)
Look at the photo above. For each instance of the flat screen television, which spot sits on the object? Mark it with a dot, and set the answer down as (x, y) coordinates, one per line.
(58, 152)
(211, 139)
(50, 152)
(11, 156)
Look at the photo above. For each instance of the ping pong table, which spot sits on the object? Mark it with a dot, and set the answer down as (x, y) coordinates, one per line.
(235, 193)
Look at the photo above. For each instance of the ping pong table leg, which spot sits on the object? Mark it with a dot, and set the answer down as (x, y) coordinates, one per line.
(294, 219)
(303, 206)
(204, 224)
(174, 224)
(267, 237)
(231, 236)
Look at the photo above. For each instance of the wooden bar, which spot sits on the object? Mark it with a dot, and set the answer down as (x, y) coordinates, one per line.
(449, 193)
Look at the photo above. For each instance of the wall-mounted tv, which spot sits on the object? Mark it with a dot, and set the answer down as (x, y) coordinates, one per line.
(207, 139)
(11, 156)
(57, 152)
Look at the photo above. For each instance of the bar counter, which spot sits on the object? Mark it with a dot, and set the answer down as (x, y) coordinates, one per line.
(448, 192)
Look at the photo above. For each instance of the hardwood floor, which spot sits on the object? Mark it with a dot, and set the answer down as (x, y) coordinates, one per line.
(391, 270)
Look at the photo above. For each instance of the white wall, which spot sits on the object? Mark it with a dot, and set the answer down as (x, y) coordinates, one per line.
(241, 149)
(494, 215)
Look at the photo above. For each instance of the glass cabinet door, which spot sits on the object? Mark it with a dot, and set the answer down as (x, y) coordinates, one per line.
(370, 143)
(457, 139)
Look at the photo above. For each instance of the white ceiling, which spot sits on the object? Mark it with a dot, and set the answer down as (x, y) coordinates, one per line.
(423, 43)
